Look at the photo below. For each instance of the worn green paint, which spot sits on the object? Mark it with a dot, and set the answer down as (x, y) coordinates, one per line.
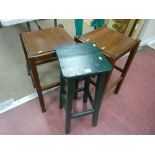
(78, 60)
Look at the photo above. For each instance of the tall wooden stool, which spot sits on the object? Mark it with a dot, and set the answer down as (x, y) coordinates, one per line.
(39, 47)
(81, 61)
(114, 45)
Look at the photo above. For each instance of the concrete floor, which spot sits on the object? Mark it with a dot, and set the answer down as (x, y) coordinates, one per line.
(14, 81)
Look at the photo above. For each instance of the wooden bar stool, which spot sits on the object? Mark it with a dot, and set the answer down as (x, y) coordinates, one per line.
(39, 47)
(114, 45)
(81, 61)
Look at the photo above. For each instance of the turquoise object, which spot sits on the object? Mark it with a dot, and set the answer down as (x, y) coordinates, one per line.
(96, 23)
(78, 26)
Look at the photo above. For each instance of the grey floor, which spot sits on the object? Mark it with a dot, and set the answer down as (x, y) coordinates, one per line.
(152, 45)
(14, 81)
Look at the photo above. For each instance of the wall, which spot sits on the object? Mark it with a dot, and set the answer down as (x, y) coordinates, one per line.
(147, 34)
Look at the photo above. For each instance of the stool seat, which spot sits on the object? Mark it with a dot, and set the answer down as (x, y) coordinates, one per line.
(113, 43)
(76, 60)
(44, 40)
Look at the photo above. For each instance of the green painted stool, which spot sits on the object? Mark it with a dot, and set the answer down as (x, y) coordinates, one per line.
(82, 60)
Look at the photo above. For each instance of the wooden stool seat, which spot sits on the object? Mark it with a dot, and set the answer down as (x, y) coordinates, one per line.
(114, 45)
(45, 40)
(39, 47)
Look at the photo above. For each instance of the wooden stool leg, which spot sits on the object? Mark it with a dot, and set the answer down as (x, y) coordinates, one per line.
(37, 24)
(126, 67)
(28, 69)
(55, 23)
(86, 89)
(29, 73)
(100, 86)
(76, 87)
(37, 83)
(62, 92)
(109, 76)
(26, 57)
(28, 26)
(70, 93)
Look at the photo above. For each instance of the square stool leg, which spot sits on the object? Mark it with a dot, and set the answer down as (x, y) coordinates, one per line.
(126, 67)
(100, 86)
(37, 83)
(62, 91)
(27, 61)
(86, 89)
(28, 26)
(76, 87)
(27, 64)
(69, 98)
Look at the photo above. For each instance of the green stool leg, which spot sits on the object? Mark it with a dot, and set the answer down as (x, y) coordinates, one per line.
(62, 91)
(78, 26)
(86, 89)
(100, 85)
(76, 87)
(70, 93)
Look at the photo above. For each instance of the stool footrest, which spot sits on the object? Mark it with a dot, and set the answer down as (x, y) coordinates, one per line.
(78, 114)
(92, 81)
(63, 100)
(45, 87)
(79, 89)
(90, 99)
(118, 68)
